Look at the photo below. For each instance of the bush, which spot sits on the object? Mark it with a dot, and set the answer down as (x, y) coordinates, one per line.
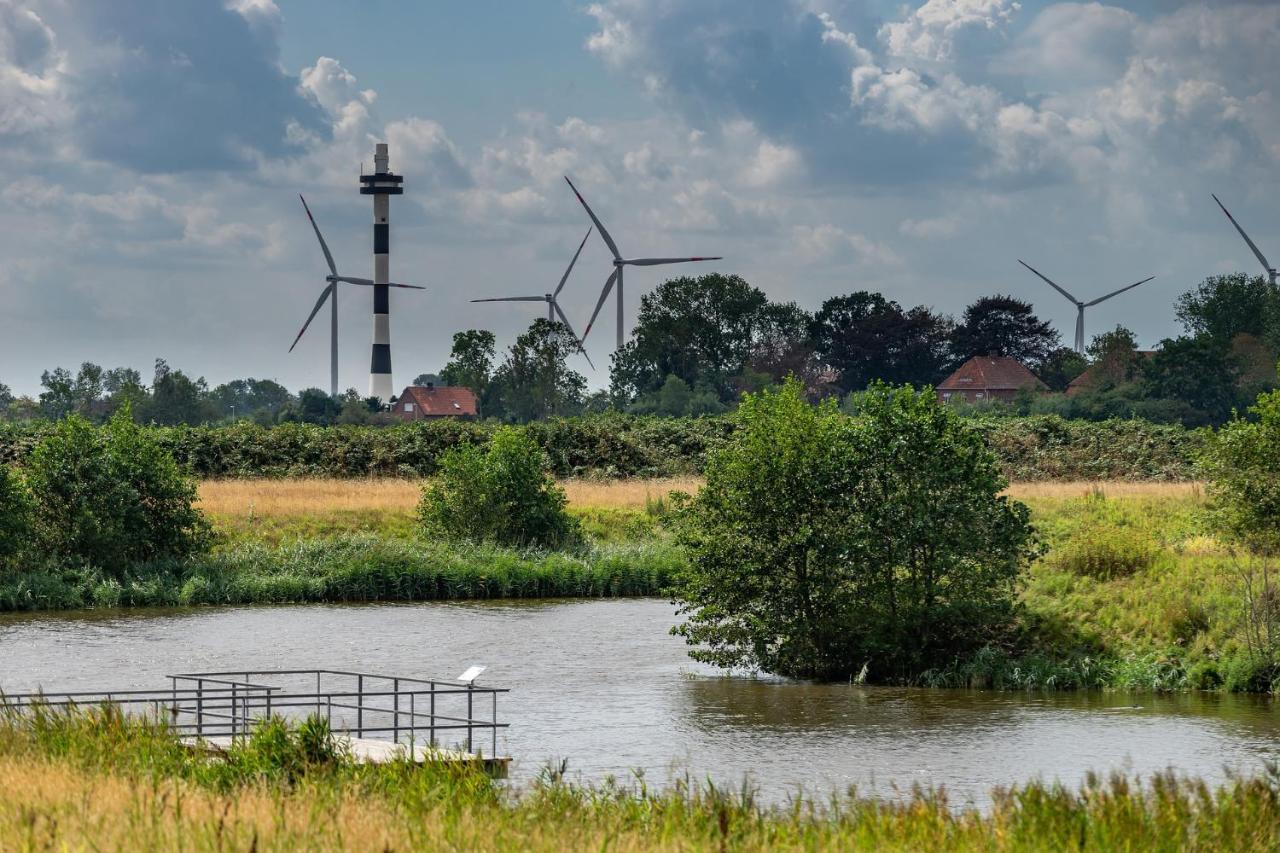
(15, 517)
(822, 544)
(501, 494)
(1242, 467)
(111, 497)
(1107, 552)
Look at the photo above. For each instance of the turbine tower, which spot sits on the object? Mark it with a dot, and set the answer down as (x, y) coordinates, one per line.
(1080, 306)
(618, 263)
(382, 184)
(331, 292)
(1271, 271)
(553, 307)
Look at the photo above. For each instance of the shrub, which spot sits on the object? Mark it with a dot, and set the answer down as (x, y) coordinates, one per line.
(15, 516)
(111, 497)
(1106, 552)
(822, 543)
(1242, 467)
(502, 494)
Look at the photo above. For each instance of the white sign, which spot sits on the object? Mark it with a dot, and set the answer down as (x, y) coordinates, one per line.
(471, 674)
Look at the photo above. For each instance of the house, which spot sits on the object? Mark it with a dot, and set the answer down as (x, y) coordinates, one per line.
(423, 402)
(1101, 374)
(988, 377)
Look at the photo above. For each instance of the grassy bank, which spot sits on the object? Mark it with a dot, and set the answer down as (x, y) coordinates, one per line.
(101, 783)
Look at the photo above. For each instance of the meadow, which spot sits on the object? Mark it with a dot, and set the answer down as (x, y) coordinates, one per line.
(97, 781)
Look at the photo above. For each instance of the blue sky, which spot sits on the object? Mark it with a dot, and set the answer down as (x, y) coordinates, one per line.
(153, 151)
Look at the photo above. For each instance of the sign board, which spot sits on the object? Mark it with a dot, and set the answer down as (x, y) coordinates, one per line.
(471, 674)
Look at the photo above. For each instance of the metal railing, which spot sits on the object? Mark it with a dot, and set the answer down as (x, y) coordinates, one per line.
(401, 709)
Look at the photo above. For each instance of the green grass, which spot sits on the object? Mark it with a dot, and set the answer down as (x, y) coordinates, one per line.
(99, 781)
(350, 568)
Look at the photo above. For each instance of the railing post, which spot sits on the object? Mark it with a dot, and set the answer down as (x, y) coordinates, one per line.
(494, 720)
(470, 713)
(395, 709)
(199, 707)
(359, 706)
(432, 724)
(232, 710)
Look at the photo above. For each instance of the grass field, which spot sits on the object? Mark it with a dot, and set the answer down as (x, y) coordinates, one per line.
(96, 782)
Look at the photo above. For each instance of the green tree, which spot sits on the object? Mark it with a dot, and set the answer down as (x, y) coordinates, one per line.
(502, 493)
(1003, 325)
(58, 399)
(676, 399)
(111, 496)
(1241, 466)
(470, 362)
(536, 381)
(1223, 306)
(1198, 371)
(1060, 367)
(177, 398)
(866, 338)
(703, 330)
(15, 517)
(247, 398)
(822, 543)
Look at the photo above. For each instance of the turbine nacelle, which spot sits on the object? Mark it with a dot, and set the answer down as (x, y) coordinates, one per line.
(1080, 304)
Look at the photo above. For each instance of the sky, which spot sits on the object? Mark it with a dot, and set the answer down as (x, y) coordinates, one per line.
(152, 152)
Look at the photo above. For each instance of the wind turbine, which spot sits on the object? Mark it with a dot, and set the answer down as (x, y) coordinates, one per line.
(553, 307)
(618, 263)
(1271, 271)
(1080, 306)
(331, 290)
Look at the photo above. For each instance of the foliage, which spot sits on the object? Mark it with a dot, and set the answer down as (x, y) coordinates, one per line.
(676, 399)
(535, 382)
(1242, 467)
(866, 337)
(822, 544)
(470, 362)
(502, 493)
(1003, 325)
(1223, 306)
(1060, 367)
(111, 496)
(702, 330)
(15, 516)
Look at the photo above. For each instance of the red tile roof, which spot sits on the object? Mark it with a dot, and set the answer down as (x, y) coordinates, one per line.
(991, 373)
(437, 401)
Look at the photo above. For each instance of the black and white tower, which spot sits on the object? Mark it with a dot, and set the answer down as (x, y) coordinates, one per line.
(382, 184)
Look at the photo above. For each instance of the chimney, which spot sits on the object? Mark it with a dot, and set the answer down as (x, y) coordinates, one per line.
(431, 386)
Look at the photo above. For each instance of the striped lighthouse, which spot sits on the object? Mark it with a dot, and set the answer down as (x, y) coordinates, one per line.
(382, 184)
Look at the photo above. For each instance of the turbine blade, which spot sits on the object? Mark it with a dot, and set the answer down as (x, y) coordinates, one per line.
(368, 282)
(1256, 253)
(1118, 292)
(653, 262)
(565, 277)
(333, 269)
(513, 299)
(324, 294)
(608, 241)
(569, 326)
(1050, 283)
(604, 294)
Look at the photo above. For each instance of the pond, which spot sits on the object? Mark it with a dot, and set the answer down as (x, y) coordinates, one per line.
(602, 684)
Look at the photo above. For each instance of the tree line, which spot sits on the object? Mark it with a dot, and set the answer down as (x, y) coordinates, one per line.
(700, 342)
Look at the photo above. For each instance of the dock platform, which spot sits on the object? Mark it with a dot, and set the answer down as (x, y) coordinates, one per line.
(374, 717)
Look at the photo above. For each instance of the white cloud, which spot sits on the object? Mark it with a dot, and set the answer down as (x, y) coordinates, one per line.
(930, 32)
(830, 243)
(930, 229)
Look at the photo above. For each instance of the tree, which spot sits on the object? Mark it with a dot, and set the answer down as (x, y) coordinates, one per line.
(176, 398)
(243, 398)
(1223, 306)
(1006, 326)
(1115, 358)
(313, 406)
(1241, 465)
(821, 544)
(676, 399)
(702, 330)
(15, 516)
(6, 396)
(1060, 367)
(470, 362)
(866, 337)
(502, 493)
(535, 381)
(1199, 371)
(58, 398)
(428, 379)
(111, 497)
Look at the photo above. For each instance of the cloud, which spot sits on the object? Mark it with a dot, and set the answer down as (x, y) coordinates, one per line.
(931, 31)
(830, 243)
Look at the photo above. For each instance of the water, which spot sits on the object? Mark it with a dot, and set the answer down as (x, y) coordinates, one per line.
(602, 684)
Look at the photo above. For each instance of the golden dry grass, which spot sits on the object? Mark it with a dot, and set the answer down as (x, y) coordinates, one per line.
(302, 497)
(299, 497)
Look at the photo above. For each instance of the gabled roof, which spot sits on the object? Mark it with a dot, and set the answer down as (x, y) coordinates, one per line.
(1091, 376)
(456, 402)
(991, 373)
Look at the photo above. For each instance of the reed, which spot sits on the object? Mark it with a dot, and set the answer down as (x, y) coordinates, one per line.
(82, 786)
